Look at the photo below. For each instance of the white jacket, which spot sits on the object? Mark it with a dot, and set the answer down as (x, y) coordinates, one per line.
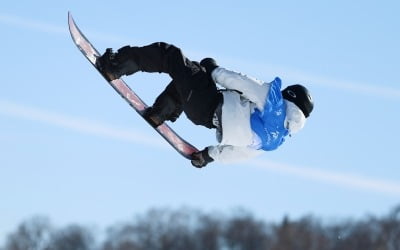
(238, 140)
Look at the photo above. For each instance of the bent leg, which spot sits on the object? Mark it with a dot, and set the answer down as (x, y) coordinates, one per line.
(167, 106)
(198, 94)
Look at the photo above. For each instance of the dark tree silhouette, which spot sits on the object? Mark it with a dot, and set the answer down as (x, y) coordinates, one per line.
(188, 229)
(30, 235)
(72, 237)
(243, 232)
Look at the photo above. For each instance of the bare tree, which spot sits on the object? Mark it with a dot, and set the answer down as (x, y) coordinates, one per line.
(121, 237)
(72, 237)
(164, 229)
(208, 232)
(158, 230)
(243, 232)
(32, 234)
(306, 233)
(388, 236)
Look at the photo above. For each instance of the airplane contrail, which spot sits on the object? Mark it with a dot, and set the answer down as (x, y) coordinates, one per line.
(290, 74)
(81, 125)
(17, 21)
(94, 128)
(85, 126)
(346, 180)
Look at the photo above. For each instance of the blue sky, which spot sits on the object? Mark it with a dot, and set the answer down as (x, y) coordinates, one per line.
(72, 149)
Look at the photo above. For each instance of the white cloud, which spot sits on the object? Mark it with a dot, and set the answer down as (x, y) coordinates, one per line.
(104, 130)
(31, 24)
(79, 124)
(356, 88)
(35, 25)
(339, 179)
(290, 74)
(95, 128)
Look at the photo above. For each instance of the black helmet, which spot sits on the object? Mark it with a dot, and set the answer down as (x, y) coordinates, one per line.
(299, 95)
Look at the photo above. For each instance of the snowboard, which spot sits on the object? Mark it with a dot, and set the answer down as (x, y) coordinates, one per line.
(119, 85)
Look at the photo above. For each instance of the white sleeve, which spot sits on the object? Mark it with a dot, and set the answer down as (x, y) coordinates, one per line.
(251, 88)
(230, 154)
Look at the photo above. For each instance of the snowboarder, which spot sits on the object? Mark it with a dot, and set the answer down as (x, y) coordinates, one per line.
(250, 116)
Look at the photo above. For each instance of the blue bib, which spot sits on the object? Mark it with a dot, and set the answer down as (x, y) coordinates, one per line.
(269, 124)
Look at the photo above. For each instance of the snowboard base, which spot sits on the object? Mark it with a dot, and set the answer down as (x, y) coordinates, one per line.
(90, 52)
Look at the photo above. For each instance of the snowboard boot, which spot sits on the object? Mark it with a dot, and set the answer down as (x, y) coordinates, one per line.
(165, 108)
(114, 65)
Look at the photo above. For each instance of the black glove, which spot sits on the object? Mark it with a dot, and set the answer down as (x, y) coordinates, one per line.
(201, 158)
(209, 64)
(114, 65)
(107, 64)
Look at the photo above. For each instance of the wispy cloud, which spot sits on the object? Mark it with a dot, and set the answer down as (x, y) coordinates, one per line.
(78, 124)
(294, 75)
(345, 180)
(39, 26)
(356, 88)
(17, 21)
(84, 126)
(290, 74)
(95, 128)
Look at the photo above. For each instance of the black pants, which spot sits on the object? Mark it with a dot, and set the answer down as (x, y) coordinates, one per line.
(191, 87)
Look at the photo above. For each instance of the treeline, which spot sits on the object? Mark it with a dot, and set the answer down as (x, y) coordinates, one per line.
(187, 229)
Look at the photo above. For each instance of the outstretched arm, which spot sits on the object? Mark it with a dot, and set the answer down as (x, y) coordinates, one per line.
(251, 88)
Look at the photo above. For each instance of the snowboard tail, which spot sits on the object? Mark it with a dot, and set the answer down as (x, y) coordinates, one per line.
(90, 52)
